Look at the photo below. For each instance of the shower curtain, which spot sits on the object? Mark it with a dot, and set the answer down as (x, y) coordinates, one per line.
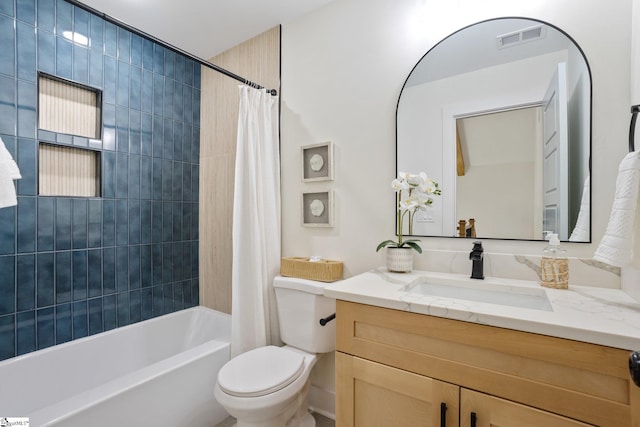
(256, 223)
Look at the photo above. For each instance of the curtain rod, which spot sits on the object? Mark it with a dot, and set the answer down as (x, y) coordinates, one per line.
(169, 46)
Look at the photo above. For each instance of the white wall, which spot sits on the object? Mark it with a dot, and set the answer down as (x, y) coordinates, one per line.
(342, 71)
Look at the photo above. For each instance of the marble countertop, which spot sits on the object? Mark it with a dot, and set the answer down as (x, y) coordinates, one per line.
(585, 313)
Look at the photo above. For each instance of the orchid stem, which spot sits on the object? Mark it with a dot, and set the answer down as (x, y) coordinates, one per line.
(399, 219)
(411, 222)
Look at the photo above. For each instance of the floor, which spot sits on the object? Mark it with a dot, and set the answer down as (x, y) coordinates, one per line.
(321, 421)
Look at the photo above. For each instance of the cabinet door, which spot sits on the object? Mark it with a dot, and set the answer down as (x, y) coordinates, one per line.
(491, 411)
(371, 394)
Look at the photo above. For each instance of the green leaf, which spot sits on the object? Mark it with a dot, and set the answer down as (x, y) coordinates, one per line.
(414, 245)
(386, 243)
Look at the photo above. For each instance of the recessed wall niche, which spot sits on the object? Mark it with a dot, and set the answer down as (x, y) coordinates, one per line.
(68, 171)
(68, 107)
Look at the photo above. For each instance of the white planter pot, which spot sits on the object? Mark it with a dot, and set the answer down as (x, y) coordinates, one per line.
(400, 260)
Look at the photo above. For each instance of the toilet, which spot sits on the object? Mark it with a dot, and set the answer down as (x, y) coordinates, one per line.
(269, 386)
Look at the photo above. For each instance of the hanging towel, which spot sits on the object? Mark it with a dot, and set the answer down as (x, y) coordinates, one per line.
(580, 232)
(8, 172)
(617, 243)
(7, 161)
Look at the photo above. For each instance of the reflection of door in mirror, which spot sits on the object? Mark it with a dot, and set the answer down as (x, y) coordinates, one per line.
(495, 146)
(555, 135)
(472, 73)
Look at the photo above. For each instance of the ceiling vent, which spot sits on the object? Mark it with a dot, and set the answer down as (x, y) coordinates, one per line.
(521, 36)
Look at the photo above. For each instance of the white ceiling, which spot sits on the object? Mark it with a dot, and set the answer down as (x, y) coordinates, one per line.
(204, 28)
(475, 48)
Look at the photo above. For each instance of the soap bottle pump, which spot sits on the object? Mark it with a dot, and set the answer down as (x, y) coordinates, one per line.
(554, 265)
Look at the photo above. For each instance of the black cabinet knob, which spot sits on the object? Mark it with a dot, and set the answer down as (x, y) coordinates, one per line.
(634, 367)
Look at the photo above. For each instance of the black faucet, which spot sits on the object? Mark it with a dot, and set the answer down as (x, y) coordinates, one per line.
(476, 256)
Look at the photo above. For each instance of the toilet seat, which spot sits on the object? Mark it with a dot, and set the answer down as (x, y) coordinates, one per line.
(260, 372)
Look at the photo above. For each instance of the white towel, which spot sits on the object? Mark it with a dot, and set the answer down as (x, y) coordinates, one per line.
(617, 243)
(8, 172)
(580, 232)
(7, 161)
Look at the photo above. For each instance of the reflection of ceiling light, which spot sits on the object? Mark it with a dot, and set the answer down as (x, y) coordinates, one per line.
(76, 37)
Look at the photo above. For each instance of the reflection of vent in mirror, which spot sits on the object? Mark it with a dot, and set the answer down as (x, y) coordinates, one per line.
(521, 36)
(67, 107)
(68, 171)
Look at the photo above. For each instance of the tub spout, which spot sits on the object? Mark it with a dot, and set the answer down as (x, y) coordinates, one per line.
(477, 258)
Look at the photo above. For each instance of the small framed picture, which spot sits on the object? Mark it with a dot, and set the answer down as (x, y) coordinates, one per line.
(317, 209)
(317, 162)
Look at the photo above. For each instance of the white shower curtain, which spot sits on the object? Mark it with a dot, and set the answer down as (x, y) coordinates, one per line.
(256, 223)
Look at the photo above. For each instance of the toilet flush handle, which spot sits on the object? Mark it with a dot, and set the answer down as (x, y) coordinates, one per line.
(327, 319)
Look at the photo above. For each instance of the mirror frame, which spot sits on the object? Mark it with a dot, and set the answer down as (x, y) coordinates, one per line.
(590, 145)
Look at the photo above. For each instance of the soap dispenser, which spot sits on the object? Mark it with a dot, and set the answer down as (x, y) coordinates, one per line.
(554, 265)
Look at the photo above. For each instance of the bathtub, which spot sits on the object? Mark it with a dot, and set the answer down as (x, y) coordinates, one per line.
(159, 372)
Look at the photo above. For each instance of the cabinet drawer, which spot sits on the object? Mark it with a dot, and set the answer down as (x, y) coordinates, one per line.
(579, 380)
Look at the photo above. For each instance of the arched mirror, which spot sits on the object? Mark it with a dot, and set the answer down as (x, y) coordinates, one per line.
(499, 113)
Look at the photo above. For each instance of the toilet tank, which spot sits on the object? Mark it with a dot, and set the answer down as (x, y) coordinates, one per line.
(301, 305)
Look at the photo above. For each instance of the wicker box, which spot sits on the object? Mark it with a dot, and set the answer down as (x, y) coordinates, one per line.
(324, 270)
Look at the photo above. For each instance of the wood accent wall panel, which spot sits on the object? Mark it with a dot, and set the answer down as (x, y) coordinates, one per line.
(258, 60)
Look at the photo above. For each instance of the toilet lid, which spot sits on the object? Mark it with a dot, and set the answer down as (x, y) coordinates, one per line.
(261, 371)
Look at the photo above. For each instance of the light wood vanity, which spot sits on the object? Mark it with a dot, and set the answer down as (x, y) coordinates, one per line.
(395, 368)
(399, 368)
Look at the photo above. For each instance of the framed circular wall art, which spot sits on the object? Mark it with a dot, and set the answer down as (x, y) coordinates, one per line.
(317, 209)
(317, 162)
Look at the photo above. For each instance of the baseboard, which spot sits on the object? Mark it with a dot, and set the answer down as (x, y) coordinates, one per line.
(323, 402)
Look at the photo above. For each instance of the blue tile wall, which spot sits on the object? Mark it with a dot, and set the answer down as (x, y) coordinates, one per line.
(72, 267)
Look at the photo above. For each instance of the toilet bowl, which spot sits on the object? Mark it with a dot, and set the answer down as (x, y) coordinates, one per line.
(269, 386)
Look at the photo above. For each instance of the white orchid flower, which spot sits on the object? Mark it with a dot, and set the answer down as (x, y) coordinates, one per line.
(412, 193)
(429, 186)
(422, 199)
(408, 203)
(399, 185)
(414, 180)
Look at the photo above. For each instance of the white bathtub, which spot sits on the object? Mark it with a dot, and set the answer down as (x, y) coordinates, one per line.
(159, 372)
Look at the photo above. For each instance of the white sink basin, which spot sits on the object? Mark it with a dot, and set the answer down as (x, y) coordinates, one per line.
(481, 291)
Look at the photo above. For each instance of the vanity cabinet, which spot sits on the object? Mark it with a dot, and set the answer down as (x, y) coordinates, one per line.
(399, 368)
(373, 394)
